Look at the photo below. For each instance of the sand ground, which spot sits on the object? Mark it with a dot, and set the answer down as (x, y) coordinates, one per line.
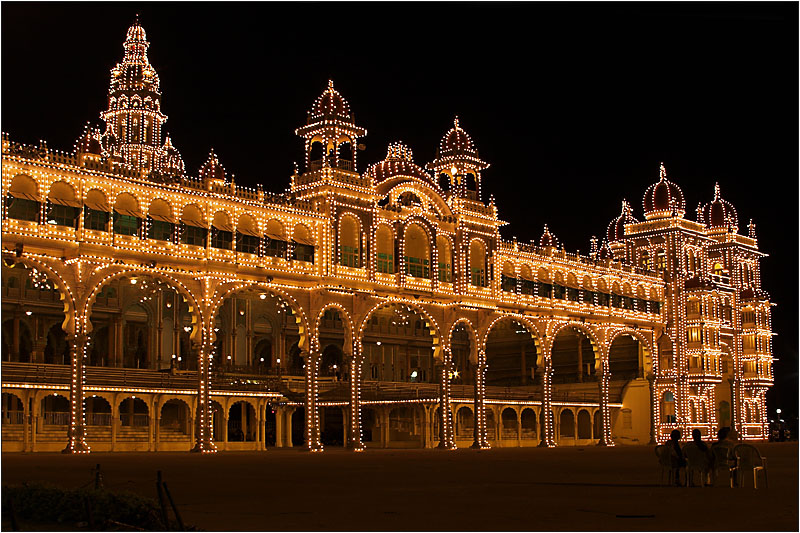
(528, 489)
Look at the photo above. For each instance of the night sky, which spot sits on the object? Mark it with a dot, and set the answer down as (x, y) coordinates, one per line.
(574, 105)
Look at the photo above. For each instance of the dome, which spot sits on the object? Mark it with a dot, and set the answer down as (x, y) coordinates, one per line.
(718, 213)
(171, 161)
(398, 162)
(457, 141)
(605, 251)
(89, 142)
(136, 32)
(662, 197)
(212, 169)
(547, 238)
(330, 104)
(616, 229)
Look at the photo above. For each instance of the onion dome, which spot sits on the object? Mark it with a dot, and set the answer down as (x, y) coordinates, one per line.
(89, 142)
(171, 161)
(398, 162)
(616, 229)
(212, 169)
(330, 105)
(718, 213)
(605, 252)
(456, 149)
(548, 239)
(663, 198)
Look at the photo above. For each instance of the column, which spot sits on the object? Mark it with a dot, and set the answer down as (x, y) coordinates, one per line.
(159, 332)
(605, 412)
(346, 430)
(77, 429)
(288, 433)
(279, 420)
(114, 422)
(15, 336)
(546, 417)
(479, 406)
(653, 409)
(519, 428)
(313, 443)
(356, 364)
(26, 422)
(204, 441)
(152, 430)
(580, 358)
(446, 440)
(384, 416)
(262, 428)
(34, 409)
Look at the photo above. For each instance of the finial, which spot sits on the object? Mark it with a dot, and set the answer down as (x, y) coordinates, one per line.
(136, 20)
(625, 206)
(455, 123)
(751, 229)
(716, 191)
(662, 171)
(330, 84)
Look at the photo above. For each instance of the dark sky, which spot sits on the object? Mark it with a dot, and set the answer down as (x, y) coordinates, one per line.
(573, 104)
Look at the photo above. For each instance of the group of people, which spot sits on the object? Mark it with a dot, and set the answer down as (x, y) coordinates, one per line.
(727, 438)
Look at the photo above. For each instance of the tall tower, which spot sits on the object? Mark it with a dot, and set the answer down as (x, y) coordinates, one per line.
(331, 135)
(457, 165)
(134, 118)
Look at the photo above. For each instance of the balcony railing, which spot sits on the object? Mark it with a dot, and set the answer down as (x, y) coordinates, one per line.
(56, 418)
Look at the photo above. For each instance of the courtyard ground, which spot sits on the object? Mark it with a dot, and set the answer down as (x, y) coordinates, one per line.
(527, 489)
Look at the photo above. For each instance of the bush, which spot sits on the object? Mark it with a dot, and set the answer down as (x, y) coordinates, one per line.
(47, 503)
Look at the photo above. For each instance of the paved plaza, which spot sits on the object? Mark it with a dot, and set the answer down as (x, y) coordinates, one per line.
(528, 489)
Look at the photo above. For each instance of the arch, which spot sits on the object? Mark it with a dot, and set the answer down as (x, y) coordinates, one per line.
(243, 429)
(665, 353)
(584, 424)
(583, 328)
(134, 412)
(508, 422)
(566, 423)
(192, 215)
(247, 224)
(416, 251)
(63, 193)
(349, 240)
(477, 263)
(667, 407)
(97, 200)
(127, 204)
(98, 410)
(303, 235)
(25, 186)
(464, 422)
(644, 363)
(384, 247)
(161, 210)
(229, 288)
(444, 252)
(222, 221)
(275, 229)
(13, 409)
(65, 291)
(510, 353)
(347, 320)
(54, 409)
(432, 324)
(527, 420)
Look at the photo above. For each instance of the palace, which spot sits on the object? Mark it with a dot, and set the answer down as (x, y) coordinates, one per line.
(147, 309)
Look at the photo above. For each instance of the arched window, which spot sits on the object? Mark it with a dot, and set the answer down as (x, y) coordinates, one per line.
(349, 239)
(444, 181)
(690, 260)
(193, 230)
(417, 252)
(248, 240)
(276, 239)
(62, 207)
(661, 259)
(718, 269)
(315, 155)
(644, 258)
(96, 211)
(527, 284)
(471, 186)
(127, 217)
(303, 249)
(345, 156)
(160, 224)
(221, 231)
(477, 263)
(385, 250)
(445, 253)
(668, 408)
(508, 279)
(22, 202)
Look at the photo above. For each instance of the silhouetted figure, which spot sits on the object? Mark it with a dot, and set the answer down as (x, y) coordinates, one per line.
(678, 460)
(697, 438)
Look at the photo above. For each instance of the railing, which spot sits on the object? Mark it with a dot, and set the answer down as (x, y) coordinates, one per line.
(135, 420)
(98, 419)
(344, 164)
(13, 417)
(56, 418)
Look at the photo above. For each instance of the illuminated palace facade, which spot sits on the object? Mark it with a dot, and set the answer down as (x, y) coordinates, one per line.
(146, 309)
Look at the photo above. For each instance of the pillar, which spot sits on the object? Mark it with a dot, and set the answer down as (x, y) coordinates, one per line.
(653, 409)
(313, 443)
(605, 411)
(546, 418)
(204, 441)
(580, 358)
(77, 428)
(114, 422)
(519, 428)
(279, 421)
(353, 429)
(479, 404)
(34, 409)
(152, 433)
(262, 428)
(26, 423)
(15, 336)
(288, 433)
(446, 437)
(384, 417)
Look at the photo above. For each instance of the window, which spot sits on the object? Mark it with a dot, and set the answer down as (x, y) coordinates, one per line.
(95, 220)
(588, 297)
(528, 287)
(477, 263)
(603, 299)
(63, 215)
(693, 307)
(668, 408)
(559, 291)
(694, 335)
(221, 239)
(417, 267)
(661, 259)
(303, 252)
(274, 248)
(616, 300)
(22, 209)
(748, 317)
(749, 342)
(445, 273)
(385, 263)
(572, 294)
(193, 235)
(445, 259)
(349, 256)
(247, 244)
(655, 307)
(508, 284)
(125, 224)
(159, 230)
